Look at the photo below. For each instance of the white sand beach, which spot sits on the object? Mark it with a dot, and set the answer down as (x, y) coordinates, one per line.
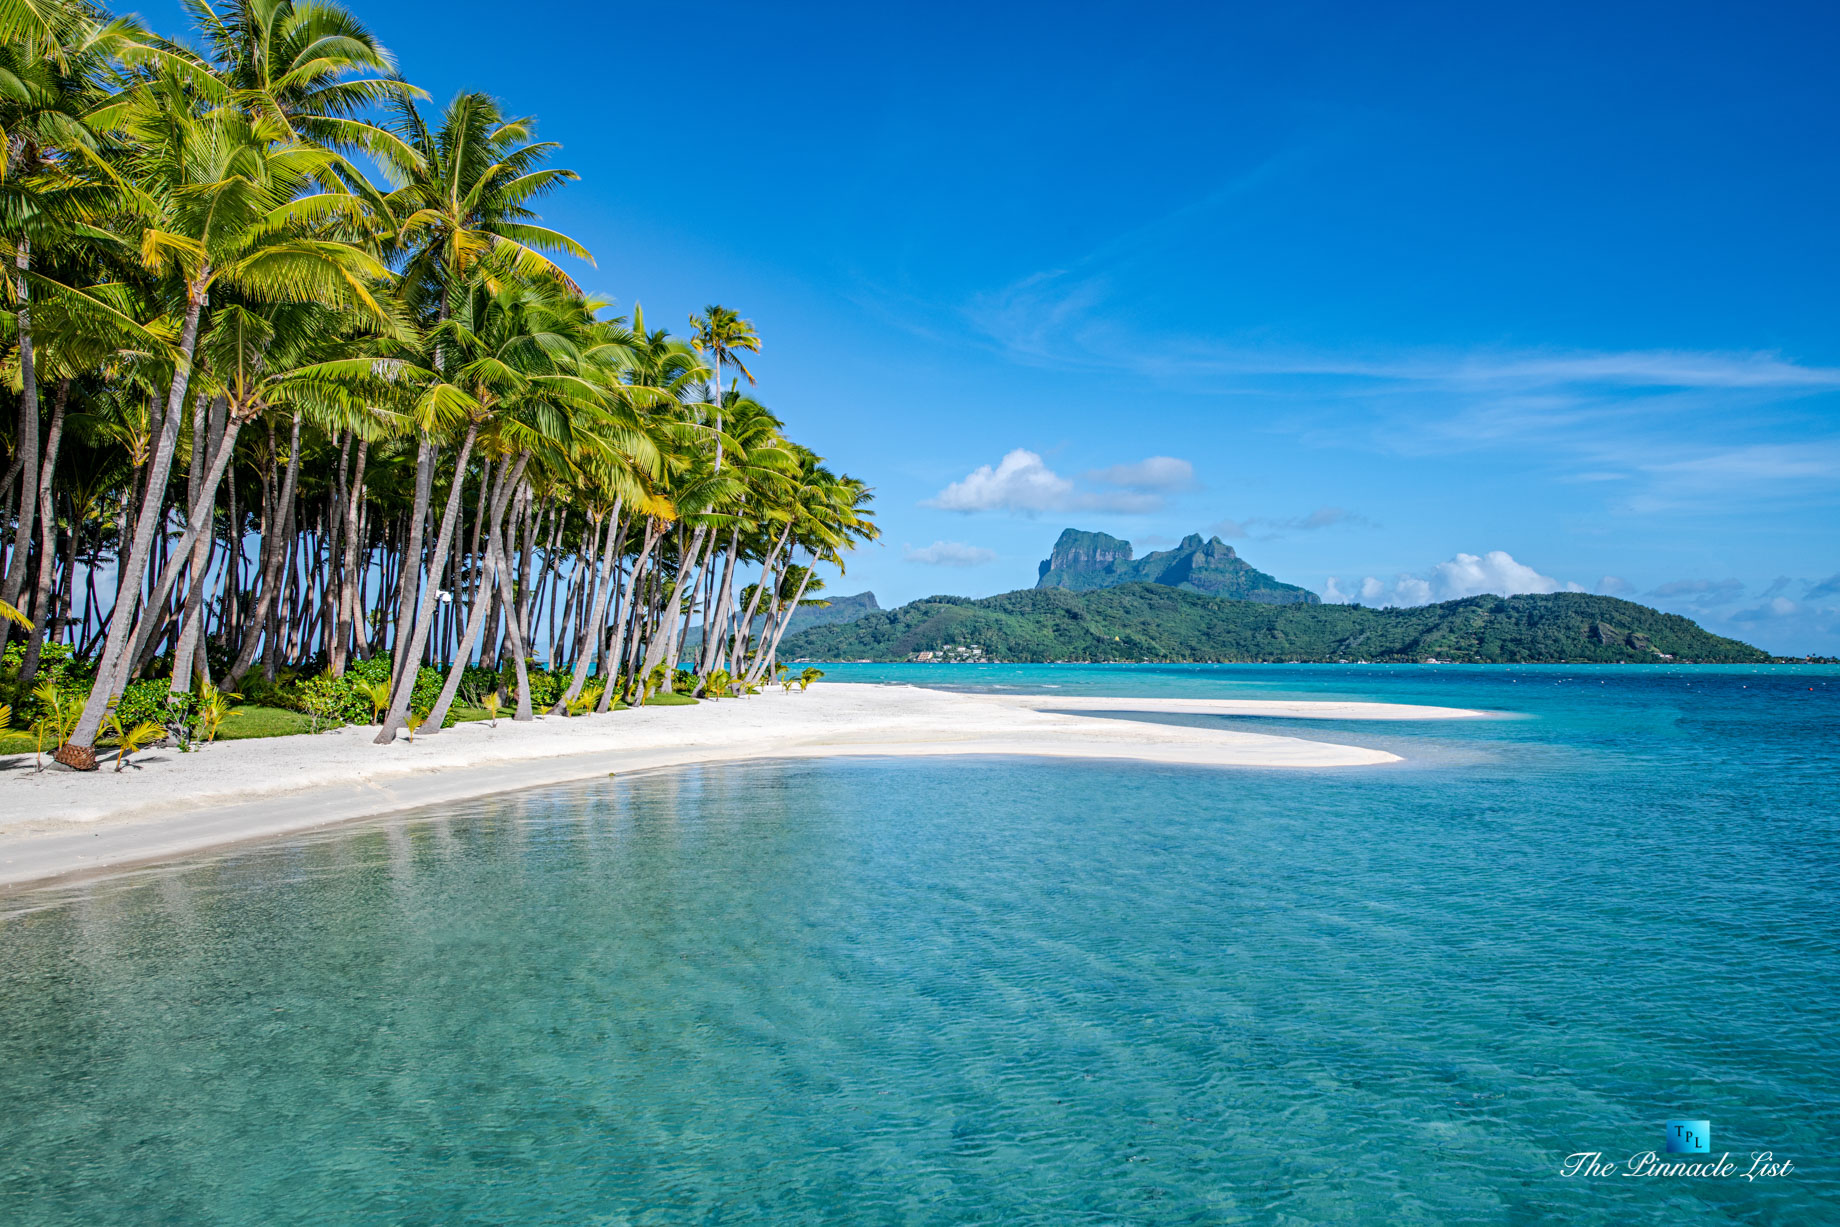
(58, 824)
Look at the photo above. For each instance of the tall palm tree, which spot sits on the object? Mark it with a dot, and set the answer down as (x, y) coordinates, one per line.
(311, 67)
(463, 212)
(55, 61)
(722, 336)
(217, 198)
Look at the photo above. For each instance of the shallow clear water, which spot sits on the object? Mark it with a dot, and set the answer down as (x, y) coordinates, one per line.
(949, 991)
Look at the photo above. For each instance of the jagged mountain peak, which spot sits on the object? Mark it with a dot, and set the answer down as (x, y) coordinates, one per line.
(1083, 560)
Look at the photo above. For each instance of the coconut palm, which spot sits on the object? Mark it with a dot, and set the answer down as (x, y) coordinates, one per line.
(313, 68)
(464, 213)
(218, 199)
(722, 335)
(54, 64)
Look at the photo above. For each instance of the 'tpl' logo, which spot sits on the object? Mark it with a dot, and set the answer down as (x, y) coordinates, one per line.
(1689, 1137)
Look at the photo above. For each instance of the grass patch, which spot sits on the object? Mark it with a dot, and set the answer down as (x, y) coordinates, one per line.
(253, 721)
(671, 700)
(16, 742)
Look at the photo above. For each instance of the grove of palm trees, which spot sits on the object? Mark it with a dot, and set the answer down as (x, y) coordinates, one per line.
(310, 421)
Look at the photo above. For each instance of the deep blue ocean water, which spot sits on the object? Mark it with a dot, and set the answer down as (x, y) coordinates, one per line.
(990, 991)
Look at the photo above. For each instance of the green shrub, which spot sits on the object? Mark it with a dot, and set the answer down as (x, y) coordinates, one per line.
(151, 701)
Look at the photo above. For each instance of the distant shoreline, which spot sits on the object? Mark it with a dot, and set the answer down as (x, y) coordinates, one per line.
(72, 826)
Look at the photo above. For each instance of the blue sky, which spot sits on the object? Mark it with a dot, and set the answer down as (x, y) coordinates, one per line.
(1373, 287)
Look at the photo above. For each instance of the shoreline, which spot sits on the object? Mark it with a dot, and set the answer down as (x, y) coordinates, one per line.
(172, 805)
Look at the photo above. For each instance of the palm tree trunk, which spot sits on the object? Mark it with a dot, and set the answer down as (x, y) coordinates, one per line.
(408, 590)
(27, 446)
(627, 618)
(351, 564)
(604, 581)
(660, 644)
(198, 520)
(714, 631)
(764, 660)
(191, 624)
(496, 559)
(114, 649)
(745, 629)
(274, 549)
(47, 539)
(411, 653)
(475, 618)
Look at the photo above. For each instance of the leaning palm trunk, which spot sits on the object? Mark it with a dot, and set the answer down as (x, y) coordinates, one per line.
(198, 518)
(77, 752)
(681, 628)
(604, 578)
(628, 621)
(483, 597)
(411, 653)
(496, 561)
(764, 660)
(660, 642)
(746, 627)
(274, 556)
(409, 587)
(714, 633)
(191, 624)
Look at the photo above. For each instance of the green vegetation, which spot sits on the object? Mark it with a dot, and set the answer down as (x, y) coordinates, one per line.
(298, 373)
(1149, 622)
(249, 722)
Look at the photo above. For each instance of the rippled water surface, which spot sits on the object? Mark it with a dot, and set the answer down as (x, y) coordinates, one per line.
(988, 991)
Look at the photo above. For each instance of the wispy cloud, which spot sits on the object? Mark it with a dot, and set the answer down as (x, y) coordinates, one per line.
(1023, 483)
(1154, 474)
(948, 554)
(1699, 592)
(1265, 528)
(1061, 319)
(1700, 420)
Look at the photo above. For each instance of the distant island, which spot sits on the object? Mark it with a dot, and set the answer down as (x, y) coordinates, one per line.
(1158, 622)
(825, 611)
(1083, 561)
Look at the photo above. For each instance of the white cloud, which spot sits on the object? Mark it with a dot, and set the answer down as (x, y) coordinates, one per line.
(1614, 585)
(1465, 575)
(1023, 482)
(948, 554)
(1161, 474)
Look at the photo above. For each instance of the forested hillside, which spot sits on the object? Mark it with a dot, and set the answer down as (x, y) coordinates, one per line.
(1153, 622)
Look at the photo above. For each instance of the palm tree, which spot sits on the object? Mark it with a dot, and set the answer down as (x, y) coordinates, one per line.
(463, 212)
(722, 335)
(312, 68)
(217, 199)
(54, 61)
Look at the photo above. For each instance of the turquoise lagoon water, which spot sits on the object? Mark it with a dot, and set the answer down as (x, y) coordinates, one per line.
(989, 991)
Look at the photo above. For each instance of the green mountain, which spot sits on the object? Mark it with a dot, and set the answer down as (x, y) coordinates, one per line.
(840, 609)
(1084, 561)
(1152, 622)
(808, 614)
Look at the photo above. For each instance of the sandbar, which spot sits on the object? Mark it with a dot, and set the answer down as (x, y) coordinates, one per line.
(58, 825)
